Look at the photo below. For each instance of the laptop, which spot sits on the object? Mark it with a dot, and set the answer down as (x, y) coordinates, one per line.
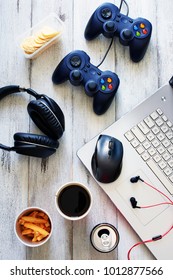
(147, 137)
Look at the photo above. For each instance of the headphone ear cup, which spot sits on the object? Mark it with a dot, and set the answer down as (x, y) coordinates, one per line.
(34, 145)
(50, 121)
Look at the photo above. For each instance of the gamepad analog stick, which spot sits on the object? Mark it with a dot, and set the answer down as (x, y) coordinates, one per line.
(76, 68)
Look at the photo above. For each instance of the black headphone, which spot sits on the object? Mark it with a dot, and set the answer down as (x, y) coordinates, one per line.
(49, 118)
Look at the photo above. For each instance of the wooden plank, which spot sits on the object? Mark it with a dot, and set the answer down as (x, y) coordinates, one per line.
(14, 118)
(47, 175)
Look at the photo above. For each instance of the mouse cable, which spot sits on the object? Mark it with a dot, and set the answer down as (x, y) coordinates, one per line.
(110, 45)
(127, 6)
(153, 239)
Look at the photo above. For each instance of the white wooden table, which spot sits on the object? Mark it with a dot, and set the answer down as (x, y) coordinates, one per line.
(31, 181)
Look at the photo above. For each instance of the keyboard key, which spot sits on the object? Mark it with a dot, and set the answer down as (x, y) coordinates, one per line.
(140, 150)
(162, 164)
(164, 128)
(170, 150)
(157, 171)
(146, 145)
(167, 171)
(170, 163)
(166, 143)
(164, 118)
(169, 134)
(157, 158)
(160, 136)
(155, 130)
(138, 134)
(171, 178)
(169, 124)
(150, 136)
(151, 151)
(155, 143)
(134, 143)
(149, 122)
(142, 126)
(159, 111)
(166, 156)
(145, 156)
(129, 135)
(159, 122)
(154, 115)
(160, 150)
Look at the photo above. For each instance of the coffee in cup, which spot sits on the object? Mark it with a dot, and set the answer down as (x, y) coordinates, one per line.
(73, 200)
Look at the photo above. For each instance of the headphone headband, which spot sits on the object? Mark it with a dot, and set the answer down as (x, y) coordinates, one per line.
(4, 91)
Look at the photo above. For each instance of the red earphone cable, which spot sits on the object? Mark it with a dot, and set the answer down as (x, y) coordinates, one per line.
(158, 191)
(148, 241)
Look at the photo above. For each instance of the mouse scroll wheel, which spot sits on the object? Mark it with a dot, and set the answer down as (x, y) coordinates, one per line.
(111, 145)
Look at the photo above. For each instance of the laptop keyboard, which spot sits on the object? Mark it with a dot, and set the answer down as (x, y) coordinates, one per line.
(152, 139)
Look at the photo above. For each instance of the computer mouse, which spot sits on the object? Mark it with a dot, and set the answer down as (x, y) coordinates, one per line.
(106, 161)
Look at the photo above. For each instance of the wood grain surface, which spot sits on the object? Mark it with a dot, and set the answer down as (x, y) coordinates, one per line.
(28, 181)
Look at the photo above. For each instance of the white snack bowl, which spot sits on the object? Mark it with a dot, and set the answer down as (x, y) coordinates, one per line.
(23, 238)
(52, 21)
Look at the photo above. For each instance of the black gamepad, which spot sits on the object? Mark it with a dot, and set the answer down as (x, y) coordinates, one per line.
(76, 68)
(108, 20)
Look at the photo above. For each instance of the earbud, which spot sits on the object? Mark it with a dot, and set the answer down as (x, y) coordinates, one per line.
(134, 202)
(136, 179)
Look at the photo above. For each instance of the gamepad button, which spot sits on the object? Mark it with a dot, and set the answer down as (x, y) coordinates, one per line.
(138, 34)
(103, 87)
(102, 81)
(109, 80)
(145, 31)
(106, 13)
(142, 25)
(98, 73)
(135, 27)
(76, 75)
(110, 86)
(131, 20)
(75, 61)
(124, 20)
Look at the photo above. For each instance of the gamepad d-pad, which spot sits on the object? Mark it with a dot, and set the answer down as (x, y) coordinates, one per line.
(108, 20)
(76, 68)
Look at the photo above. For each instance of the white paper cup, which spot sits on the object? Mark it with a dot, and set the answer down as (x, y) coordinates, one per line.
(73, 201)
(27, 241)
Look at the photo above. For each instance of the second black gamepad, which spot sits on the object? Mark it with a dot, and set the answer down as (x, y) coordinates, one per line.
(134, 33)
(76, 68)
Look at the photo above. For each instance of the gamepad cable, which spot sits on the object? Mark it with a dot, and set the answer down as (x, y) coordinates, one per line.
(110, 45)
(125, 2)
